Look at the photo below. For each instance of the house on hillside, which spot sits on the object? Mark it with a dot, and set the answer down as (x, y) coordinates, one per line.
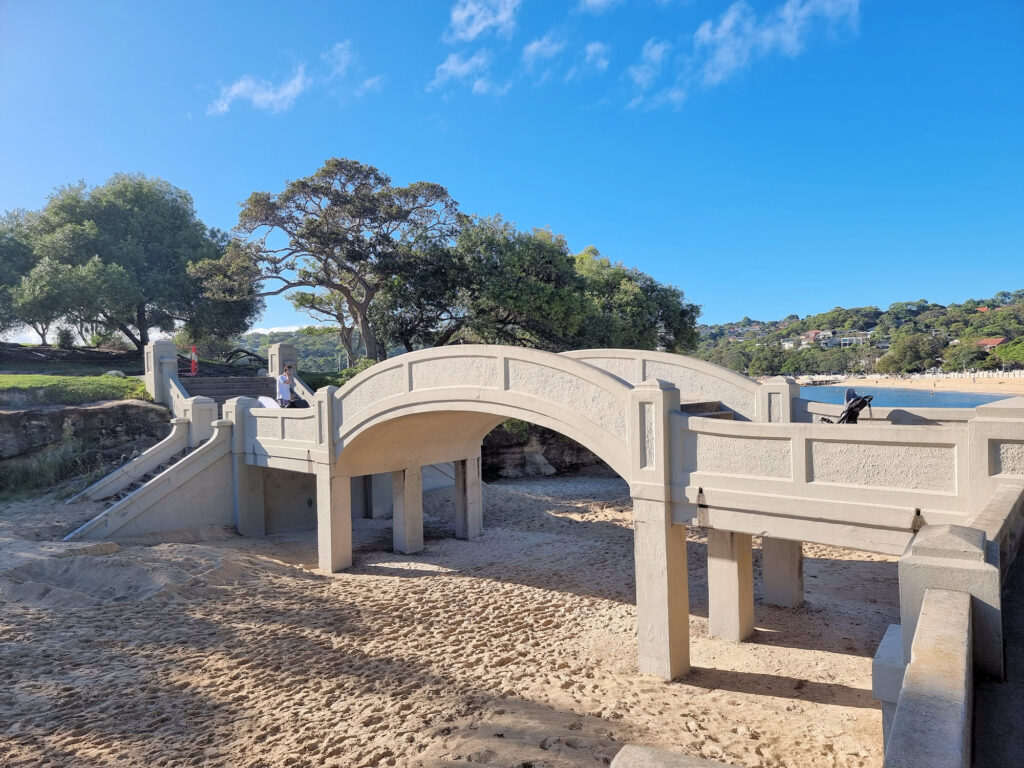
(854, 338)
(990, 343)
(790, 343)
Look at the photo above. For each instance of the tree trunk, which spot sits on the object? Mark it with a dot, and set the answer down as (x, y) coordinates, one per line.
(142, 323)
(346, 342)
(374, 349)
(42, 330)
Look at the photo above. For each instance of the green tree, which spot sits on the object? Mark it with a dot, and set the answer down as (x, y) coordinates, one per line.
(960, 357)
(346, 229)
(149, 230)
(523, 288)
(17, 259)
(767, 360)
(630, 309)
(909, 354)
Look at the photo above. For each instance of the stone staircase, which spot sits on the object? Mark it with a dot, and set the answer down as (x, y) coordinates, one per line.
(124, 492)
(223, 388)
(709, 410)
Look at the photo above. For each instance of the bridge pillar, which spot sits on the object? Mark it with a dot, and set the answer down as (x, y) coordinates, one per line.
(407, 516)
(730, 585)
(469, 501)
(381, 493)
(333, 520)
(782, 572)
(662, 594)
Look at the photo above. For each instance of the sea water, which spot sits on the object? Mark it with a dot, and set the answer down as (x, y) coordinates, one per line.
(892, 397)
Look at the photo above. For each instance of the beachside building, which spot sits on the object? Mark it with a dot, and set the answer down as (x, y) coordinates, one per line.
(854, 338)
(990, 343)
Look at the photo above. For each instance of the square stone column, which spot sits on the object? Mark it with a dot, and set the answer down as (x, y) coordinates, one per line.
(381, 495)
(730, 585)
(333, 520)
(407, 518)
(662, 594)
(782, 572)
(469, 500)
(956, 558)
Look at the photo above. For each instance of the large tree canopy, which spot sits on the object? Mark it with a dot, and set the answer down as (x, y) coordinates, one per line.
(344, 230)
(118, 255)
(16, 259)
(629, 309)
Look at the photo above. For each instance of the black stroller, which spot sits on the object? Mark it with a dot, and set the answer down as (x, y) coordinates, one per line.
(854, 405)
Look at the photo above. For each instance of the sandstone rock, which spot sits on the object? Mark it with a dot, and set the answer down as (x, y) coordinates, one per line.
(33, 428)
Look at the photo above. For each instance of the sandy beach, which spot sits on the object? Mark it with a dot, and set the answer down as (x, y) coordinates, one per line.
(996, 386)
(515, 649)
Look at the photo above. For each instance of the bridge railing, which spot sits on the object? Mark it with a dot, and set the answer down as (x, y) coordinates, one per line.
(294, 436)
(798, 481)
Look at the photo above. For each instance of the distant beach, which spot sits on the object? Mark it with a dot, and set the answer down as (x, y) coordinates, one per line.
(1006, 386)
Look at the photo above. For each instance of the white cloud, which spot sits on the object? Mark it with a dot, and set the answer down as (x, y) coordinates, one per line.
(338, 58)
(278, 329)
(597, 6)
(261, 94)
(484, 86)
(457, 68)
(739, 36)
(652, 58)
(471, 18)
(597, 55)
(671, 97)
(546, 47)
(369, 85)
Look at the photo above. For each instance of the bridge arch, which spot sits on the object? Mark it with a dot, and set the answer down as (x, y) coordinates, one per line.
(436, 402)
(436, 405)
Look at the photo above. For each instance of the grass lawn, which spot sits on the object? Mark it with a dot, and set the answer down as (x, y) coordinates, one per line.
(20, 390)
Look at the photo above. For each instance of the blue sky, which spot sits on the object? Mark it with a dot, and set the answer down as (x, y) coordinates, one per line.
(766, 157)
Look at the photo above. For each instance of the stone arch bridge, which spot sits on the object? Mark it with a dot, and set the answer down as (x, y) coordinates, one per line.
(698, 444)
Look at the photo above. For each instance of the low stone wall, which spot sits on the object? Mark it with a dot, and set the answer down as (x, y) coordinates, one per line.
(24, 431)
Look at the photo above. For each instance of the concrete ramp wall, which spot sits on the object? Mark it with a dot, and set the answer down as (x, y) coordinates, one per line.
(197, 491)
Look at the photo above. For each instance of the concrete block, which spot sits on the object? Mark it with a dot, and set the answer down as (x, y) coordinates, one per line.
(730, 585)
(381, 495)
(407, 519)
(333, 521)
(955, 558)
(932, 724)
(782, 572)
(887, 670)
(662, 594)
(469, 504)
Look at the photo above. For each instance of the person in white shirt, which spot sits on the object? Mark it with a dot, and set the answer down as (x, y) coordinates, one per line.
(286, 396)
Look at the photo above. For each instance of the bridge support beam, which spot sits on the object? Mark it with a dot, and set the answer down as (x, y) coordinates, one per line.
(782, 572)
(730, 585)
(469, 500)
(662, 594)
(407, 518)
(333, 521)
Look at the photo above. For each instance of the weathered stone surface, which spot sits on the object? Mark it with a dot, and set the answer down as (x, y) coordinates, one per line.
(537, 453)
(27, 430)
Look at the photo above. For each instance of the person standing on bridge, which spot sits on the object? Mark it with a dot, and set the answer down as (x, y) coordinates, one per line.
(286, 396)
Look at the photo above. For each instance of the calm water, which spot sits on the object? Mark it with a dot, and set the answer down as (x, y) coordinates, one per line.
(886, 397)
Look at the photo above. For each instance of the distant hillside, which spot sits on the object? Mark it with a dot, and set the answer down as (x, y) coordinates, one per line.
(908, 336)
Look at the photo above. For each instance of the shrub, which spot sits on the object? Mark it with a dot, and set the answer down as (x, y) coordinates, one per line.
(65, 338)
(317, 380)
